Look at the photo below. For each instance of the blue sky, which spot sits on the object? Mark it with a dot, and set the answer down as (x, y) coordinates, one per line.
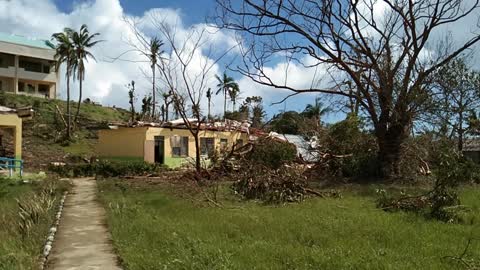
(197, 9)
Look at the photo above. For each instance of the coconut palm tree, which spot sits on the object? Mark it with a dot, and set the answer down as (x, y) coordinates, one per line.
(154, 48)
(315, 111)
(209, 98)
(64, 55)
(233, 93)
(225, 85)
(82, 42)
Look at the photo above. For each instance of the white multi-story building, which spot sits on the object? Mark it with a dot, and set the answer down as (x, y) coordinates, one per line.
(27, 66)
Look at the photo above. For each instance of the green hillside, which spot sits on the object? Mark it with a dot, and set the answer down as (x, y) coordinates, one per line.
(42, 135)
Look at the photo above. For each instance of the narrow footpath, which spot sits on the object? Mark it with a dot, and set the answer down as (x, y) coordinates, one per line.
(82, 240)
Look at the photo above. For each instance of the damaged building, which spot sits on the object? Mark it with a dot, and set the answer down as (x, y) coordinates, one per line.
(171, 143)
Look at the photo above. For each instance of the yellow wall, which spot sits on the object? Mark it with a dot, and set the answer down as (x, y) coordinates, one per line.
(14, 122)
(131, 142)
(217, 135)
(122, 142)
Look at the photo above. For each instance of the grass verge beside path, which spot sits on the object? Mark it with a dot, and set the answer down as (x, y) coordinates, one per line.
(152, 228)
(16, 251)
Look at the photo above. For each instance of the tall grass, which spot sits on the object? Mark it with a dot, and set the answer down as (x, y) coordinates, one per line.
(155, 229)
(20, 249)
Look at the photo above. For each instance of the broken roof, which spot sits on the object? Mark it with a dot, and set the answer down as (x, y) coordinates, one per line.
(228, 125)
(471, 145)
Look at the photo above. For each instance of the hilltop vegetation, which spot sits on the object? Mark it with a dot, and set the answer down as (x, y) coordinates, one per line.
(42, 135)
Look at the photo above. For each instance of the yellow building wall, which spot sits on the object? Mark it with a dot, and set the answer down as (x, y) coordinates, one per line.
(131, 142)
(122, 142)
(217, 135)
(12, 121)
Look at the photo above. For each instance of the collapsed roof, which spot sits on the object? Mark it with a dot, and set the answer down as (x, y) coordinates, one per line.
(227, 125)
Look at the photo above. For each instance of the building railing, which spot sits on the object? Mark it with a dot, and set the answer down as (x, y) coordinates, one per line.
(11, 165)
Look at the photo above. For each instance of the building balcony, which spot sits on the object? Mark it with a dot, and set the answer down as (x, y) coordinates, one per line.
(37, 76)
(7, 72)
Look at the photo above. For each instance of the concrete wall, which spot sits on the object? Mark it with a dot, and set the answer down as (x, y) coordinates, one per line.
(23, 50)
(122, 142)
(135, 142)
(13, 122)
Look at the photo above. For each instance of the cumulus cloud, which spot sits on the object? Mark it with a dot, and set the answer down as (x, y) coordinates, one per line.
(106, 79)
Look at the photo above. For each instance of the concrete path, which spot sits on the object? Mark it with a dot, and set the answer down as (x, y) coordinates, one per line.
(82, 240)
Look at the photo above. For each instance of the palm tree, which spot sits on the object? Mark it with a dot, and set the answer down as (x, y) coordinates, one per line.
(315, 111)
(225, 85)
(154, 47)
(233, 93)
(167, 100)
(82, 41)
(209, 98)
(64, 54)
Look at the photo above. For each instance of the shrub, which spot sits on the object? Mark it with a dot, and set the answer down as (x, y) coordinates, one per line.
(346, 138)
(107, 169)
(442, 201)
(272, 153)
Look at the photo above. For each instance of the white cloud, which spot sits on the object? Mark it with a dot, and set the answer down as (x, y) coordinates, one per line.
(105, 81)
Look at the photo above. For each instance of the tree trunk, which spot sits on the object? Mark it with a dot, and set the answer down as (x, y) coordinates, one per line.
(198, 166)
(153, 92)
(166, 112)
(225, 104)
(390, 151)
(460, 132)
(79, 100)
(208, 116)
(68, 108)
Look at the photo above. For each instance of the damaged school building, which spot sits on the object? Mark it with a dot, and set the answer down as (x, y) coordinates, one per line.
(169, 143)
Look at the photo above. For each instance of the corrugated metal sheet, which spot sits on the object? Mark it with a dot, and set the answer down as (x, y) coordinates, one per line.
(305, 149)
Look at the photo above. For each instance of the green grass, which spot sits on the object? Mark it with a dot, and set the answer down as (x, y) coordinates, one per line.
(45, 109)
(152, 228)
(17, 252)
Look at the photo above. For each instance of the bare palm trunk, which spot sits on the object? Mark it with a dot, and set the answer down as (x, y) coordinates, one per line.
(153, 90)
(225, 104)
(166, 112)
(79, 101)
(68, 108)
(208, 116)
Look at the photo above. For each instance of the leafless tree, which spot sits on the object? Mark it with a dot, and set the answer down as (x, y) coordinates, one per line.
(387, 57)
(186, 69)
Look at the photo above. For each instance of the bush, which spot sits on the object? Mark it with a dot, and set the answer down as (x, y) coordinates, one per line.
(442, 201)
(359, 148)
(270, 186)
(272, 153)
(107, 169)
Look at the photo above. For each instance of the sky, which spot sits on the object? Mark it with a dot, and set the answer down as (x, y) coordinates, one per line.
(106, 79)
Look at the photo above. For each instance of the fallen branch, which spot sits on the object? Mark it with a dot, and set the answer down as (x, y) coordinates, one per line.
(469, 263)
(61, 115)
(311, 191)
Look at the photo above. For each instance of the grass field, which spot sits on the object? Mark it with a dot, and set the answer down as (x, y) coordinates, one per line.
(155, 228)
(17, 252)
